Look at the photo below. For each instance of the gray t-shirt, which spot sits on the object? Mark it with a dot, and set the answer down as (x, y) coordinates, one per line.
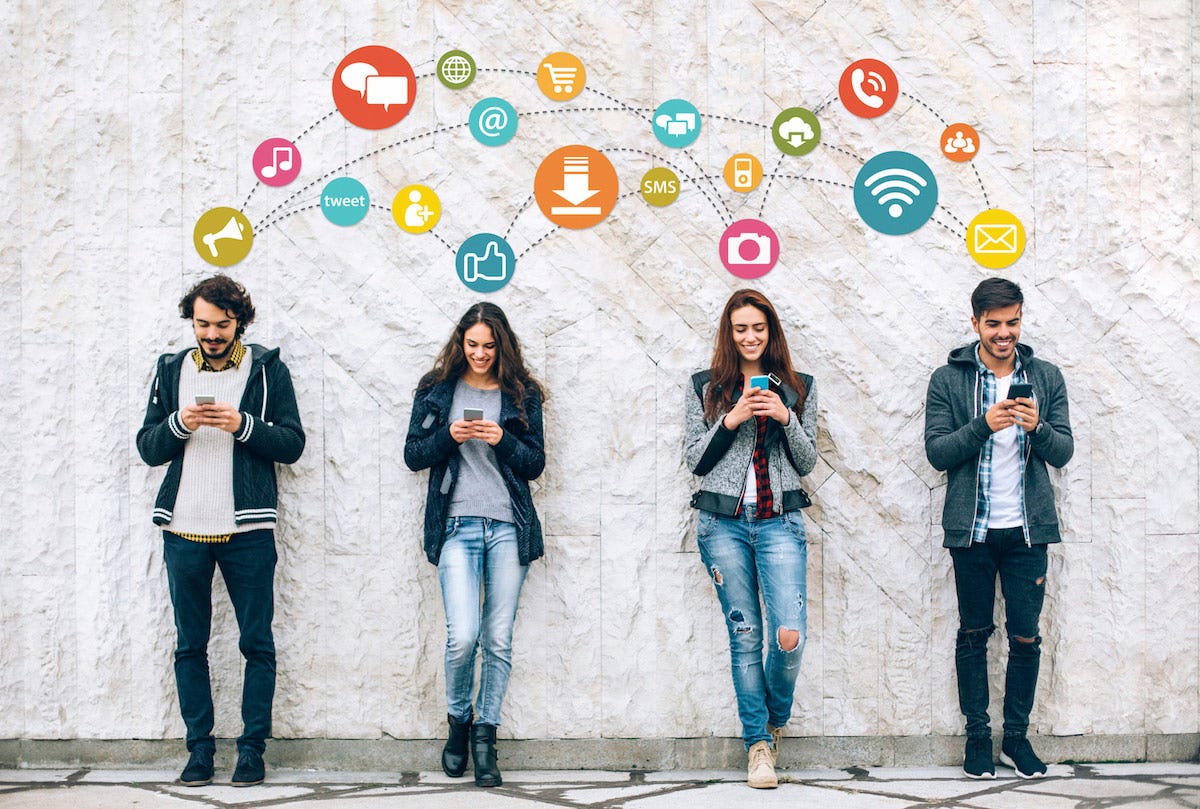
(479, 490)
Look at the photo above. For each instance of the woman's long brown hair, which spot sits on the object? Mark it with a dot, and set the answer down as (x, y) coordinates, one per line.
(509, 367)
(726, 362)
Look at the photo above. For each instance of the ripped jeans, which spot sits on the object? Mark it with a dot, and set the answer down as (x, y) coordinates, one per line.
(748, 558)
(1022, 572)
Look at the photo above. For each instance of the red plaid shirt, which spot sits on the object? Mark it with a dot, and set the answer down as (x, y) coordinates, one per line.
(764, 504)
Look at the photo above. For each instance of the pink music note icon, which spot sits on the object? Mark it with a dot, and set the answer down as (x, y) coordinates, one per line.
(277, 164)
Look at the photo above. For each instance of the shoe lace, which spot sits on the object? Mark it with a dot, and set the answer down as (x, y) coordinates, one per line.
(761, 756)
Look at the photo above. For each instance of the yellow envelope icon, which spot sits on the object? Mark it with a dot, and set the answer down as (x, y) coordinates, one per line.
(995, 238)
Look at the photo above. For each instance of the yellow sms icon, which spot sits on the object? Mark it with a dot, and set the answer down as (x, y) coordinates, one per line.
(995, 238)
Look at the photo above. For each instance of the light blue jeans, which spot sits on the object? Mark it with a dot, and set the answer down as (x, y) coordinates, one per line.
(479, 554)
(748, 559)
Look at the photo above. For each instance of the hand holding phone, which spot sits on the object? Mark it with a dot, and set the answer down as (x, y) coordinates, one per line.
(1020, 390)
(472, 414)
(762, 382)
(205, 398)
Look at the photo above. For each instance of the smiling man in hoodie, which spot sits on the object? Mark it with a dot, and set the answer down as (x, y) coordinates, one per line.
(994, 439)
(221, 415)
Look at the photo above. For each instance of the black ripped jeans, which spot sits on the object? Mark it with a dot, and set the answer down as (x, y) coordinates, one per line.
(1022, 573)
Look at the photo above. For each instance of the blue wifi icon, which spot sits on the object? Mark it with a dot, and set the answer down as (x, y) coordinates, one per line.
(895, 193)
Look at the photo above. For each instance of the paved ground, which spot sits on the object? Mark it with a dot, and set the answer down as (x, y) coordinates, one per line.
(1145, 786)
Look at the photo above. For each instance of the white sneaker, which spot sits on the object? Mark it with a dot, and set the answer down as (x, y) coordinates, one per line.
(761, 768)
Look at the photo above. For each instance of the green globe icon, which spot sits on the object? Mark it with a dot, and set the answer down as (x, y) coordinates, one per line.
(456, 69)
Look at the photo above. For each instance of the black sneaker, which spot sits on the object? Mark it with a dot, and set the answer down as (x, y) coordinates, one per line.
(1018, 753)
(199, 769)
(249, 770)
(977, 763)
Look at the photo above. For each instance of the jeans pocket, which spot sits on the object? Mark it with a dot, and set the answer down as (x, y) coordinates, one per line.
(705, 525)
(451, 526)
(795, 523)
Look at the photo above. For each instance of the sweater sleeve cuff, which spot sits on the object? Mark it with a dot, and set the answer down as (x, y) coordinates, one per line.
(177, 428)
(243, 434)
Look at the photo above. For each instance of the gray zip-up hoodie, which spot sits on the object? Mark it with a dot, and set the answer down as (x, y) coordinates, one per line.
(722, 456)
(956, 430)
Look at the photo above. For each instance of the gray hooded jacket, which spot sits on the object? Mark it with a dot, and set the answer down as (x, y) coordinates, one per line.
(956, 430)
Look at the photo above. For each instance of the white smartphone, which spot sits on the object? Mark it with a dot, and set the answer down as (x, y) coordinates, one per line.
(202, 399)
(472, 414)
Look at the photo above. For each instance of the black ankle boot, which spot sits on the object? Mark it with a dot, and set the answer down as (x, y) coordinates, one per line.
(454, 754)
(483, 749)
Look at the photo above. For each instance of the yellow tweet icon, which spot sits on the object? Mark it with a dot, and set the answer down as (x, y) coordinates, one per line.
(995, 238)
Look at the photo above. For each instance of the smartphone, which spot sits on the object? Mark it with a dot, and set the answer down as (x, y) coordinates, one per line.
(202, 399)
(1020, 390)
(472, 414)
(761, 382)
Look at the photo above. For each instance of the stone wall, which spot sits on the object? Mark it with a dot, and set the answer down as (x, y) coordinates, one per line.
(128, 120)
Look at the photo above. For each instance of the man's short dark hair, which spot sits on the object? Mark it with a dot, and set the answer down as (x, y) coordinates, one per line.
(992, 293)
(225, 293)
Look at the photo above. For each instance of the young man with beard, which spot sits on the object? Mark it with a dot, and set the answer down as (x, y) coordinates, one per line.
(994, 439)
(217, 506)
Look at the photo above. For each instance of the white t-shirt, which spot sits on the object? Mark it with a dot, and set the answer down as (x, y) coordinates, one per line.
(1004, 492)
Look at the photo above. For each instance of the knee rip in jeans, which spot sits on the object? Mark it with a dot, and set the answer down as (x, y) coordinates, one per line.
(739, 622)
(976, 636)
(716, 574)
(1040, 581)
(1018, 644)
(789, 639)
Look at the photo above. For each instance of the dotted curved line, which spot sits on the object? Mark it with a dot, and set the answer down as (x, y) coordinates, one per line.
(644, 112)
(986, 204)
(572, 109)
(249, 196)
(315, 124)
(517, 215)
(931, 110)
(726, 219)
(539, 241)
(813, 180)
(951, 230)
(377, 206)
(506, 70)
(771, 183)
(823, 105)
(557, 228)
(358, 159)
(265, 227)
(846, 152)
(443, 241)
(961, 224)
(735, 120)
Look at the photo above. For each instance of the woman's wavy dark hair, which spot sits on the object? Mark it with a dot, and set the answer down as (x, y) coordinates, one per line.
(224, 293)
(508, 369)
(726, 362)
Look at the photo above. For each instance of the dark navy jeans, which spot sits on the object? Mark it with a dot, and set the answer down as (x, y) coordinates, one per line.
(1022, 572)
(247, 564)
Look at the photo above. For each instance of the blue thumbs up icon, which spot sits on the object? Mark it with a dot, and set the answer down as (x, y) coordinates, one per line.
(485, 262)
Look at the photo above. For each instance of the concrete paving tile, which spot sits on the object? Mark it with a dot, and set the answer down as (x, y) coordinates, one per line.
(94, 797)
(585, 796)
(129, 777)
(1149, 770)
(225, 794)
(912, 773)
(1007, 800)
(923, 790)
(451, 799)
(327, 777)
(566, 777)
(723, 796)
(679, 776)
(1090, 788)
(34, 776)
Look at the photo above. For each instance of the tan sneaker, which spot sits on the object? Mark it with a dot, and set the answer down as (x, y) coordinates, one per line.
(776, 737)
(761, 768)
